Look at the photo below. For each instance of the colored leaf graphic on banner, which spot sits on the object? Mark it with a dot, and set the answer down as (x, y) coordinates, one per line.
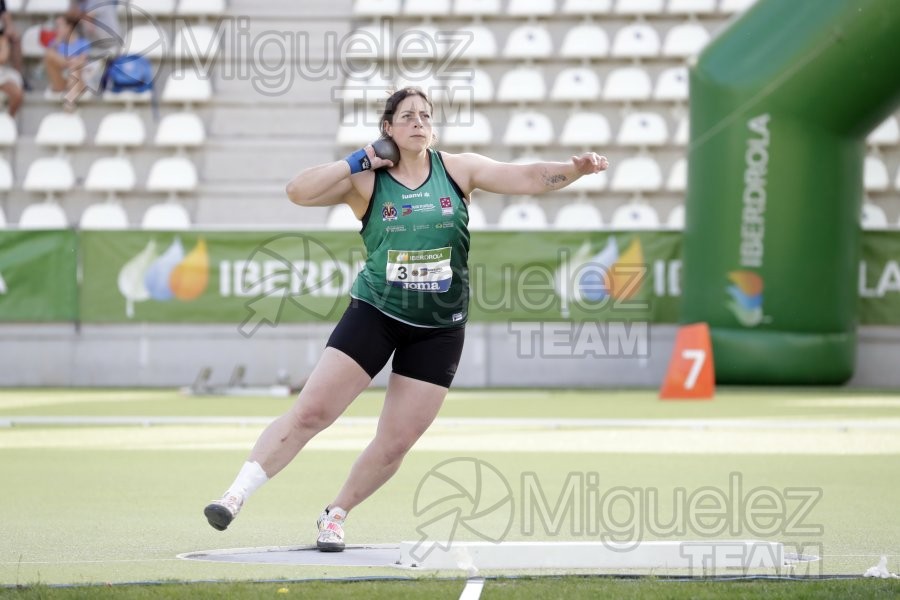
(157, 277)
(132, 278)
(190, 277)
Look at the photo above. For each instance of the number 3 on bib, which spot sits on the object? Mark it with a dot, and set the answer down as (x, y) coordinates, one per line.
(420, 270)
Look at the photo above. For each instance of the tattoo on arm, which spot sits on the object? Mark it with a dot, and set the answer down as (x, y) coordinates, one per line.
(553, 181)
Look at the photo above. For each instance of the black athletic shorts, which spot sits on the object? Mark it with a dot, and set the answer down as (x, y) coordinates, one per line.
(369, 337)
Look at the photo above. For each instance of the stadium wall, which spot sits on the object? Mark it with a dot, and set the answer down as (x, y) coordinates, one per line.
(494, 356)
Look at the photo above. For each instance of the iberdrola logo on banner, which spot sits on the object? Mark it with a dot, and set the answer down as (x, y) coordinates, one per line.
(591, 278)
(166, 276)
(746, 291)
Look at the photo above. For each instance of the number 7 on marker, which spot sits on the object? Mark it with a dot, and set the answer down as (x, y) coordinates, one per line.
(697, 358)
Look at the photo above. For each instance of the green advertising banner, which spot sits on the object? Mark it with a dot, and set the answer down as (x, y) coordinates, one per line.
(246, 278)
(255, 278)
(879, 278)
(38, 276)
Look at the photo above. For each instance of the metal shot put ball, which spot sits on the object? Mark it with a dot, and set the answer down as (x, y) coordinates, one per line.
(386, 148)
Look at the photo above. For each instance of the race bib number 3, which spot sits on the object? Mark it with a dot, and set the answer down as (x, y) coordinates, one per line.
(420, 270)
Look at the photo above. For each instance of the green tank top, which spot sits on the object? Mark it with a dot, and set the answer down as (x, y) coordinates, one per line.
(417, 242)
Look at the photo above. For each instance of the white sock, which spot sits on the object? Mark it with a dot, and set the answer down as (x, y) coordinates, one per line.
(248, 480)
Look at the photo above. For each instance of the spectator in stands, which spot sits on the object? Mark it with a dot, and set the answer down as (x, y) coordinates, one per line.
(9, 30)
(100, 25)
(11, 82)
(65, 59)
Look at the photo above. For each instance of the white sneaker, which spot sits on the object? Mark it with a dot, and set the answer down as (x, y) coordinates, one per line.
(331, 530)
(222, 512)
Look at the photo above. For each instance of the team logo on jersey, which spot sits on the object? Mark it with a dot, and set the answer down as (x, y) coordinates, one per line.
(446, 207)
(388, 212)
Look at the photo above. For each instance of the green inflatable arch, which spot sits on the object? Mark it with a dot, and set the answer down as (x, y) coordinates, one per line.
(781, 103)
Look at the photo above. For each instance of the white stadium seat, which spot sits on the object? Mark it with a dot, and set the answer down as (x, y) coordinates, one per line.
(528, 41)
(476, 87)
(477, 219)
(522, 85)
(43, 215)
(587, 7)
(676, 218)
(6, 176)
(420, 42)
(481, 43)
(49, 175)
(201, 8)
(31, 43)
(181, 130)
(638, 7)
(872, 216)
(426, 8)
(473, 8)
(585, 130)
(677, 181)
(589, 184)
(476, 133)
(578, 216)
(341, 218)
(522, 215)
(172, 174)
(111, 175)
(685, 40)
(635, 216)
(168, 216)
(148, 41)
(196, 41)
(637, 174)
(691, 7)
(886, 134)
(875, 175)
(585, 42)
(376, 8)
(672, 85)
(638, 40)
(187, 87)
(153, 7)
(531, 8)
(627, 84)
(105, 215)
(61, 129)
(120, 130)
(682, 132)
(528, 129)
(578, 84)
(9, 131)
(643, 129)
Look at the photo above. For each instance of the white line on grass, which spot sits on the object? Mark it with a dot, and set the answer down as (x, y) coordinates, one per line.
(505, 422)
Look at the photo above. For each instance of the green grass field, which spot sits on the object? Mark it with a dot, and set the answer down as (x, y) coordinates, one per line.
(96, 504)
